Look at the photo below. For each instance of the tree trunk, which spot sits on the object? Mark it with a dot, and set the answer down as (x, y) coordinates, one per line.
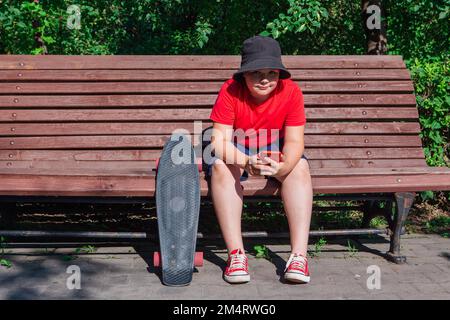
(37, 36)
(373, 16)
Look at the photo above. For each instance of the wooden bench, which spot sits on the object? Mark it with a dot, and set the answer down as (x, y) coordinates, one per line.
(93, 126)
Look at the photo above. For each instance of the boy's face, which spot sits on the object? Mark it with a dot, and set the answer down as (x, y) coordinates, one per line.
(262, 82)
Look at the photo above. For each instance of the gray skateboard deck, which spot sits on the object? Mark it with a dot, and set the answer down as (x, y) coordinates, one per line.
(177, 207)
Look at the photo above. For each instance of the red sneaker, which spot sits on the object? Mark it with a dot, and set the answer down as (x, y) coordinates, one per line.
(297, 269)
(237, 267)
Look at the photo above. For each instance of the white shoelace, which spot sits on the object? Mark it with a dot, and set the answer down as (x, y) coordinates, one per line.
(297, 261)
(237, 261)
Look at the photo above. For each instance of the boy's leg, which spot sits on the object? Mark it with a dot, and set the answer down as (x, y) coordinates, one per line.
(297, 195)
(227, 199)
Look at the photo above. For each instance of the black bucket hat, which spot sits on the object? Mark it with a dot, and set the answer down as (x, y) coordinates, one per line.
(261, 52)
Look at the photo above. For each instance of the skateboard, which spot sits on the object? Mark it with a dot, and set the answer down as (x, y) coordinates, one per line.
(177, 207)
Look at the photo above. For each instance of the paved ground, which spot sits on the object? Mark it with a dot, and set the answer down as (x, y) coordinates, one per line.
(337, 273)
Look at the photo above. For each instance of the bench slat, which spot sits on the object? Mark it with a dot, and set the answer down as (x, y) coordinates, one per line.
(311, 153)
(189, 62)
(157, 100)
(169, 114)
(196, 75)
(153, 141)
(127, 128)
(145, 186)
(150, 165)
(141, 169)
(193, 87)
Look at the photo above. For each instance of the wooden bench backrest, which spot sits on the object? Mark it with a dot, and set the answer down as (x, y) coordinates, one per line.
(361, 110)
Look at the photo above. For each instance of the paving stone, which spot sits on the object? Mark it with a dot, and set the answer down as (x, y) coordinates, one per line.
(121, 273)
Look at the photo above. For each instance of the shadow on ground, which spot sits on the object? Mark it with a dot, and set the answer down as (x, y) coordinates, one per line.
(46, 277)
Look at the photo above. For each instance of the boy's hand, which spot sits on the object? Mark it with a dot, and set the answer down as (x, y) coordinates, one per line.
(264, 166)
(271, 168)
(253, 165)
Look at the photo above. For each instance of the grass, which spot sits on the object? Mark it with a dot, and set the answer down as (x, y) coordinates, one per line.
(440, 224)
(378, 222)
(261, 252)
(86, 249)
(427, 217)
(4, 262)
(318, 246)
(351, 248)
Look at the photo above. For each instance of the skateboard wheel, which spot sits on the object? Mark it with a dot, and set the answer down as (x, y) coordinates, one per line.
(156, 259)
(198, 259)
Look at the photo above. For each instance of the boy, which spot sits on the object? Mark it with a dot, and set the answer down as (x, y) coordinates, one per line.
(263, 102)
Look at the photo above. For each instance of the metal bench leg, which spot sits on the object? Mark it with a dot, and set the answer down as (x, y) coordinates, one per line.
(404, 201)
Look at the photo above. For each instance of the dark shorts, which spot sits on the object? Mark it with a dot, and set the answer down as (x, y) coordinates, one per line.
(249, 151)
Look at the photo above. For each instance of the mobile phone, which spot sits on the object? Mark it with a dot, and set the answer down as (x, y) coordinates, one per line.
(274, 155)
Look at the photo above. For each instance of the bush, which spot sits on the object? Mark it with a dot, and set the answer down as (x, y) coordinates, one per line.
(432, 84)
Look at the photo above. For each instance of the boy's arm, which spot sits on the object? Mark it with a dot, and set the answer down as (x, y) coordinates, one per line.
(294, 145)
(223, 147)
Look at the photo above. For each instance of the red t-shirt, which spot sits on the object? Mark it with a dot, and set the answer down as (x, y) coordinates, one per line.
(284, 107)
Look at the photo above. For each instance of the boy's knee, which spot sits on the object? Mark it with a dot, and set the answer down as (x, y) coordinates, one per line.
(221, 170)
(301, 171)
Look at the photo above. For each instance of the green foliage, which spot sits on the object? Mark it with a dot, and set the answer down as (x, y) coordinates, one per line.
(426, 195)
(4, 262)
(351, 248)
(378, 222)
(432, 86)
(418, 28)
(318, 246)
(19, 25)
(86, 249)
(302, 15)
(261, 252)
(440, 224)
